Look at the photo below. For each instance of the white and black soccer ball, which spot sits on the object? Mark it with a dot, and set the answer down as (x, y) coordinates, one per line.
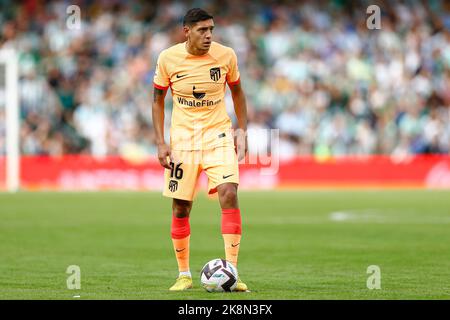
(219, 275)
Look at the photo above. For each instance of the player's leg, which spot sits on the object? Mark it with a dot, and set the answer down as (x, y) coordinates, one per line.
(180, 184)
(181, 232)
(231, 220)
(221, 167)
(231, 225)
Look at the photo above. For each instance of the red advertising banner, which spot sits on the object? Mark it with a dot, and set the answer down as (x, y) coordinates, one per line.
(2, 172)
(368, 171)
(88, 173)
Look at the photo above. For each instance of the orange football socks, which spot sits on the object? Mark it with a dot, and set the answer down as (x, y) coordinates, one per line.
(180, 239)
(231, 232)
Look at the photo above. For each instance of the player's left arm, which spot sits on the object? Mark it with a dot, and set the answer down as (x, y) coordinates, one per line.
(240, 108)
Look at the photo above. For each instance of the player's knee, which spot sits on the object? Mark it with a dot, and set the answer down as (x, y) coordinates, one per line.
(228, 195)
(181, 212)
(181, 208)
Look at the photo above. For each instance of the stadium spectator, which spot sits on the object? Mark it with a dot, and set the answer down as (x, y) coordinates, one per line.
(311, 69)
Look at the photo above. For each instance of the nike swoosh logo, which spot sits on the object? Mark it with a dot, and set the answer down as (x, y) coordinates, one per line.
(235, 245)
(224, 177)
(179, 250)
(181, 76)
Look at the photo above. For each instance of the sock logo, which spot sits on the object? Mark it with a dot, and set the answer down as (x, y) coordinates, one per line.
(179, 250)
(235, 245)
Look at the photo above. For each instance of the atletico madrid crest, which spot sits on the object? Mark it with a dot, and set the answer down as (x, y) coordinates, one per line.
(214, 73)
(173, 185)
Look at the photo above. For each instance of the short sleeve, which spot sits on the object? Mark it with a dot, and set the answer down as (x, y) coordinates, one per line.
(161, 79)
(233, 73)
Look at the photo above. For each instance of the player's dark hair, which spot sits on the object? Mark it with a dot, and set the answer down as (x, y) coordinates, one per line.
(195, 15)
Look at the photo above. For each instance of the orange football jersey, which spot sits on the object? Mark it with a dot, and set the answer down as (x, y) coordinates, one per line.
(198, 83)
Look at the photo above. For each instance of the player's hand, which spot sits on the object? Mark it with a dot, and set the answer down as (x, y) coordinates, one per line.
(164, 153)
(241, 145)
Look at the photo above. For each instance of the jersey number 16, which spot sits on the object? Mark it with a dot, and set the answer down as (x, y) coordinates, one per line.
(176, 171)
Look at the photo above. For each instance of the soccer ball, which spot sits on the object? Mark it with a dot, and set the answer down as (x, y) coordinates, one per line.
(219, 275)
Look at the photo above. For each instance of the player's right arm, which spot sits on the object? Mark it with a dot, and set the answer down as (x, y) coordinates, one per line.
(158, 124)
(161, 83)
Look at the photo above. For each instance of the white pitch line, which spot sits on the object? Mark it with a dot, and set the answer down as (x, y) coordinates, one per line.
(372, 216)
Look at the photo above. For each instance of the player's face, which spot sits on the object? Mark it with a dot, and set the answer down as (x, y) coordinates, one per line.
(200, 35)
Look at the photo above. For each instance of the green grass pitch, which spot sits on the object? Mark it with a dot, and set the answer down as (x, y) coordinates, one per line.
(295, 245)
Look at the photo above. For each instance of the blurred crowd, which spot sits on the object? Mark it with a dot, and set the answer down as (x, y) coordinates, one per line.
(312, 69)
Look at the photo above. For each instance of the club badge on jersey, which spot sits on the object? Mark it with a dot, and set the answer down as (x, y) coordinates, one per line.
(214, 74)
